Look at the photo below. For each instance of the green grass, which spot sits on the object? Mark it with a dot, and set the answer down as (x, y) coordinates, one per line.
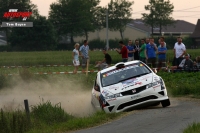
(63, 57)
(193, 128)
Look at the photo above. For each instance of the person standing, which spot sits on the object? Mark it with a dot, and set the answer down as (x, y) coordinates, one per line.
(75, 56)
(84, 52)
(130, 51)
(137, 48)
(161, 55)
(151, 49)
(123, 51)
(142, 50)
(179, 51)
(162, 39)
(147, 40)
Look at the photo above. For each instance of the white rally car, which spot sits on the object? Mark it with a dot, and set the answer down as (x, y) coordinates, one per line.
(127, 86)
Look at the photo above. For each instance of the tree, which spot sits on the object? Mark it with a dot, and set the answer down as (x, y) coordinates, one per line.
(73, 17)
(119, 15)
(159, 15)
(40, 37)
(21, 5)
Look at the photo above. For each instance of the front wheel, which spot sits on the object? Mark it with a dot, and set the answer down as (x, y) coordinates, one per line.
(165, 103)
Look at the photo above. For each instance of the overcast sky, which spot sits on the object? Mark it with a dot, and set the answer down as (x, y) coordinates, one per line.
(188, 10)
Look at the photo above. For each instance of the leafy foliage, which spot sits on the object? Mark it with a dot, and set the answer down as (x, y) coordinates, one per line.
(119, 15)
(40, 37)
(74, 17)
(159, 16)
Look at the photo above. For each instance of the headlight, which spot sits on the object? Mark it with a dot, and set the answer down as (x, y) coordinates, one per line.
(156, 83)
(113, 96)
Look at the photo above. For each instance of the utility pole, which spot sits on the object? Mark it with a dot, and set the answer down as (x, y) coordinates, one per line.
(107, 43)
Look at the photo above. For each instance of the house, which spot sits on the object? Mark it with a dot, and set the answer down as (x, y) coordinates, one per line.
(3, 38)
(137, 29)
(196, 34)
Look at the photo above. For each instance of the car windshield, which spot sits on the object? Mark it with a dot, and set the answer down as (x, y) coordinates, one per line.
(121, 74)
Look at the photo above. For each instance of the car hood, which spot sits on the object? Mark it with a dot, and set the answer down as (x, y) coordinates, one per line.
(129, 84)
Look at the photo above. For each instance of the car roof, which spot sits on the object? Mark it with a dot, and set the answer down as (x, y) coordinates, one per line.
(113, 67)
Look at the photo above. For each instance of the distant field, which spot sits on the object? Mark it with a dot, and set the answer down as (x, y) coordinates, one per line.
(63, 57)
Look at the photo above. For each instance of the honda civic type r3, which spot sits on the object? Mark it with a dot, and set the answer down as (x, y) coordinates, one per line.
(128, 85)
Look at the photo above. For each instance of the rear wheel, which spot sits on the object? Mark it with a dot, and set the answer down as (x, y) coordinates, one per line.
(165, 103)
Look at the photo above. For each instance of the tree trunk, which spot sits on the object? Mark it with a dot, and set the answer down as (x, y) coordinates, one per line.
(121, 34)
(72, 38)
(152, 30)
(160, 29)
(86, 34)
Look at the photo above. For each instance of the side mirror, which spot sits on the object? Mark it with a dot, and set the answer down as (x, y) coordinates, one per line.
(97, 88)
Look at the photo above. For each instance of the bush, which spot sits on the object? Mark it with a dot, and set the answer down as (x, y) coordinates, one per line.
(49, 114)
(14, 122)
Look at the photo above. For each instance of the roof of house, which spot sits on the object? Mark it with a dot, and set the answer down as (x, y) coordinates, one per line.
(180, 26)
(196, 33)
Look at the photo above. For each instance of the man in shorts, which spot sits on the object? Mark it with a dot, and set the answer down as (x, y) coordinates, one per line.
(84, 52)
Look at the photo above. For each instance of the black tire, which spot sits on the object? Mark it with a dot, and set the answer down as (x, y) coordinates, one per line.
(165, 103)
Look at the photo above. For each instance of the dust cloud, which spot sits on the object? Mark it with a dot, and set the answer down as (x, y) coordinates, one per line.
(74, 99)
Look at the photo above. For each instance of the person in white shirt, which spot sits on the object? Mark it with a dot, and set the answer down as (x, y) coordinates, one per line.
(179, 51)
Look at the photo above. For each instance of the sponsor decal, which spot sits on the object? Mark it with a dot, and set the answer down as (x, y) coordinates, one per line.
(114, 87)
(111, 99)
(129, 82)
(138, 83)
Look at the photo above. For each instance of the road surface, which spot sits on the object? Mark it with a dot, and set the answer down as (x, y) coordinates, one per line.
(172, 119)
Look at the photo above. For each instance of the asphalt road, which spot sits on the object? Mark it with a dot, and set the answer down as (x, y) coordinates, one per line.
(172, 119)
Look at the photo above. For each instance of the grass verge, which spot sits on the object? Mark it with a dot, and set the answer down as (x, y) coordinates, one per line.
(193, 128)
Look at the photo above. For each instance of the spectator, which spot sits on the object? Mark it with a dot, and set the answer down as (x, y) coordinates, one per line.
(161, 55)
(130, 51)
(84, 52)
(137, 48)
(186, 64)
(147, 40)
(197, 63)
(75, 56)
(151, 49)
(106, 62)
(162, 39)
(179, 51)
(142, 50)
(123, 51)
